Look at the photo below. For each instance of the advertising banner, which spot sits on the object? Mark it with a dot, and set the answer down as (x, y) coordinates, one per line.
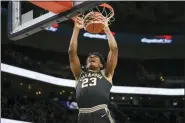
(122, 37)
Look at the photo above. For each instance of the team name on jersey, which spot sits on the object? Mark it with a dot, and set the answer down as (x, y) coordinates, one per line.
(91, 75)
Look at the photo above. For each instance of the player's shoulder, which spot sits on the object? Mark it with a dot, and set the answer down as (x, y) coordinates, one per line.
(109, 78)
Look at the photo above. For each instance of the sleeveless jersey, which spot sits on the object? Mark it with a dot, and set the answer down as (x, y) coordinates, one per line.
(92, 89)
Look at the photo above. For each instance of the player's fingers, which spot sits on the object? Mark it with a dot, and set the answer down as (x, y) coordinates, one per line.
(79, 19)
(78, 22)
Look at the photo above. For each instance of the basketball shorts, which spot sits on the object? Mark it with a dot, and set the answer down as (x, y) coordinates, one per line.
(96, 114)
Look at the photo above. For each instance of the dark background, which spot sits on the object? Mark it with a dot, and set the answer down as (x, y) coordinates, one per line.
(142, 65)
(128, 33)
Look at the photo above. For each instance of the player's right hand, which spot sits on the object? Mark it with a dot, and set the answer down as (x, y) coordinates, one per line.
(79, 23)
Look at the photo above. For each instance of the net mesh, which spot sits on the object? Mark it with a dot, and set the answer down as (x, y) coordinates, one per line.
(99, 14)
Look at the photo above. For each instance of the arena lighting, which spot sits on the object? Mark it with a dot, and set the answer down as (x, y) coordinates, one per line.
(38, 92)
(29, 86)
(71, 83)
(161, 78)
(175, 103)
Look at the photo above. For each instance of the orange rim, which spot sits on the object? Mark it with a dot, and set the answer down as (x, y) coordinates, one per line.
(109, 7)
(103, 5)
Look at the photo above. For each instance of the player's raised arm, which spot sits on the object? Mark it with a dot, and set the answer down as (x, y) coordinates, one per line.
(113, 53)
(73, 57)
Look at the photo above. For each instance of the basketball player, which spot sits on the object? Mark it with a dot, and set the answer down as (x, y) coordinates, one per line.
(94, 83)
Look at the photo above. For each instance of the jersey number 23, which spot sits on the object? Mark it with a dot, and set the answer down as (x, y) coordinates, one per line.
(89, 82)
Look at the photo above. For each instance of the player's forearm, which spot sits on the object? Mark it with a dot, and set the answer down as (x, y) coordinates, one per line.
(111, 40)
(74, 41)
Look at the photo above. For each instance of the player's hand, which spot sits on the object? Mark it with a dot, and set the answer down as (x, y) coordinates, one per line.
(106, 23)
(79, 23)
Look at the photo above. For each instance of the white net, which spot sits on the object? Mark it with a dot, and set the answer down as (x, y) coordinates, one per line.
(99, 14)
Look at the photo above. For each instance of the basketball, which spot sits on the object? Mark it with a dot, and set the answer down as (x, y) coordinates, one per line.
(94, 22)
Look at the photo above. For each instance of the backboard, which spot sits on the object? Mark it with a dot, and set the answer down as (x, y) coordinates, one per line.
(26, 18)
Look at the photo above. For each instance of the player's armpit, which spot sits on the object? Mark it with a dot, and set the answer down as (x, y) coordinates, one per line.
(74, 64)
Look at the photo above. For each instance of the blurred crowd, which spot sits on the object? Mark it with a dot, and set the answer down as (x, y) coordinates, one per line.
(49, 63)
(28, 109)
(129, 72)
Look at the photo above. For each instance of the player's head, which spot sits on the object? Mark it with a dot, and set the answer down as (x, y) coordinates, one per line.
(95, 61)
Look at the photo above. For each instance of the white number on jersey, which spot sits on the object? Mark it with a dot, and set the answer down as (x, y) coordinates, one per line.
(85, 82)
(89, 82)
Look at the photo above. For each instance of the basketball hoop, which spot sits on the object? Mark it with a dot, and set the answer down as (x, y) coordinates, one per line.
(95, 19)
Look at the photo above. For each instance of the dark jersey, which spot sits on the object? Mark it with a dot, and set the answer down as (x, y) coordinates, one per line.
(92, 89)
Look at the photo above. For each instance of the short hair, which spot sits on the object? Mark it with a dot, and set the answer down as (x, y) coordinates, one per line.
(102, 60)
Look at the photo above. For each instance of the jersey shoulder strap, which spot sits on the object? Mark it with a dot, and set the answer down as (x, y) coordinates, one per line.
(77, 79)
(103, 73)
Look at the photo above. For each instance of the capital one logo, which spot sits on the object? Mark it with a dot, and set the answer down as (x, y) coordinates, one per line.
(163, 39)
(99, 36)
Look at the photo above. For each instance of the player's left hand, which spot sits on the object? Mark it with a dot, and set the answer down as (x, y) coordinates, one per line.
(106, 22)
(106, 28)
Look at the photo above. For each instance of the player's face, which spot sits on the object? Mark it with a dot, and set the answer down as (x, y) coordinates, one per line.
(93, 62)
